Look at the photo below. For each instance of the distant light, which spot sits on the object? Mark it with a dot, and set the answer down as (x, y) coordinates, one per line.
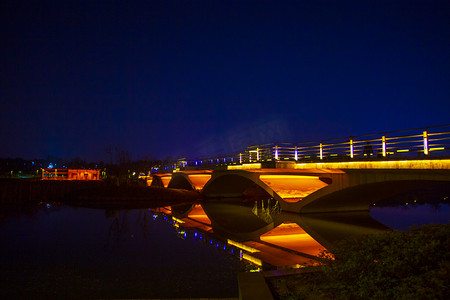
(50, 166)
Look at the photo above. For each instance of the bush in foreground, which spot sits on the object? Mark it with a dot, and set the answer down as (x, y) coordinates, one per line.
(392, 265)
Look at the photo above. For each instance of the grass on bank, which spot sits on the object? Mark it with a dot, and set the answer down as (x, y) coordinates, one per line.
(391, 265)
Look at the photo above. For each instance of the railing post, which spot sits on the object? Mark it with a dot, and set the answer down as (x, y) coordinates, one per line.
(351, 147)
(257, 154)
(321, 151)
(296, 153)
(425, 143)
(383, 145)
(276, 152)
(240, 158)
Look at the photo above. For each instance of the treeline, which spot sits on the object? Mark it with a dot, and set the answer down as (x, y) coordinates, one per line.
(120, 165)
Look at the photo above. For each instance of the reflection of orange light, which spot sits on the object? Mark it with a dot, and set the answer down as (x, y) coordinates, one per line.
(167, 210)
(252, 259)
(293, 187)
(199, 180)
(292, 236)
(149, 181)
(198, 214)
(242, 246)
(177, 220)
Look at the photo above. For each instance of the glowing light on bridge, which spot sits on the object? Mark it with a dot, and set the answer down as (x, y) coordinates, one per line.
(166, 179)
(383, 145)
(199, 180)
(245, 166)
(293, 188)
(425, 142)
(351, 148)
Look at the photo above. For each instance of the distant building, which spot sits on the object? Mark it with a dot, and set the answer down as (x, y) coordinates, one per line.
(70, 174)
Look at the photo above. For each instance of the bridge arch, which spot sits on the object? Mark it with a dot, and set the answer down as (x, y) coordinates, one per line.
(285, 186)
(356, 190)
(317, 191)
(236, 219)
(180, 181)
(229, 184)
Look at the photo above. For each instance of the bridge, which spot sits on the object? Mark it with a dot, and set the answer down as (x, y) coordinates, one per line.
(336, 175)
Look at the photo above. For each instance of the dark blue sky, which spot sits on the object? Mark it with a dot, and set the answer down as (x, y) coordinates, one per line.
(161, 78)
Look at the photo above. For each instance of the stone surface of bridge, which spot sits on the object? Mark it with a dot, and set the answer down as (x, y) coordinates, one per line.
(331, 176)
(312, 188)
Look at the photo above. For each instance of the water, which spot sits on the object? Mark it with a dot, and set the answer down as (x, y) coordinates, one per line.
(404, 216)
(58, 251)
(61, 251)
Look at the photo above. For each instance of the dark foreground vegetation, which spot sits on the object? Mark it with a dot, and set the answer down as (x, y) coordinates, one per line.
(392, 265)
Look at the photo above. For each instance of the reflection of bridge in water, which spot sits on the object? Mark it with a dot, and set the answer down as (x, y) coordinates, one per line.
(340, 175)
(259, 232)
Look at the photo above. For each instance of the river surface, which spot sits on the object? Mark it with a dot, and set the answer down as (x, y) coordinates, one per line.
(57, 251)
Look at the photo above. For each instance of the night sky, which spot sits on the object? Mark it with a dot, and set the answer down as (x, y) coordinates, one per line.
(180, 78)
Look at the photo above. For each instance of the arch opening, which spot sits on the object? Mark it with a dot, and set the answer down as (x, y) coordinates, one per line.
(178, 181)
(233, 185)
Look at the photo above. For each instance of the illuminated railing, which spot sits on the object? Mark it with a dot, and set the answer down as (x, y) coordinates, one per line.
(418, 143)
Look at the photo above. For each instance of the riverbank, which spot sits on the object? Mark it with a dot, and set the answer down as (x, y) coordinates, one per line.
(97, 194)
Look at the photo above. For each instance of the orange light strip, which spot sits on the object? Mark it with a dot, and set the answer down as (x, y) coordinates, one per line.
(242, 246)
(198, 214)
(244, 166)
(391, 164)
(292, 236)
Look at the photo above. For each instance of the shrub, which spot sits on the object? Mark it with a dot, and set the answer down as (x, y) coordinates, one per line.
(395, 264)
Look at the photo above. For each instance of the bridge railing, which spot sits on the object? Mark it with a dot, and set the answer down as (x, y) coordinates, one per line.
(418, 143)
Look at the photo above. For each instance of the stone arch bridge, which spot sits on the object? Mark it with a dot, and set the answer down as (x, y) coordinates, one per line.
(315, 187)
